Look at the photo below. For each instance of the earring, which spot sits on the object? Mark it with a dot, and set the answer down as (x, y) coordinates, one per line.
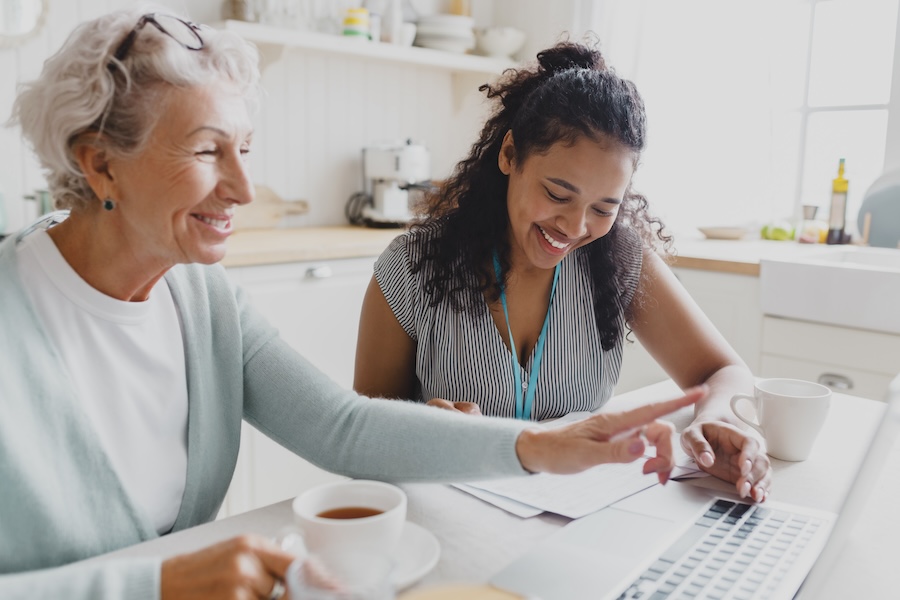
(108, 204)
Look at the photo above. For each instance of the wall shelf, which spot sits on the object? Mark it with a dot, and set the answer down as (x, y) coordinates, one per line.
(273, 41)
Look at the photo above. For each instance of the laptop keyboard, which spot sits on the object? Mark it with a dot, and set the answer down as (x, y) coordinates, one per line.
(734, 551)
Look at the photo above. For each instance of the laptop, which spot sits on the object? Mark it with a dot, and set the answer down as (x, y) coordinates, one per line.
(683, 541)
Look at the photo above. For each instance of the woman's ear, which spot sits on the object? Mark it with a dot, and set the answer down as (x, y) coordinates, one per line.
(507, 157)
(94, 164)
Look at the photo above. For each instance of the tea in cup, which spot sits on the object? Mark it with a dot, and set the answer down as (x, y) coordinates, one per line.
(789, 415)
(355, 514)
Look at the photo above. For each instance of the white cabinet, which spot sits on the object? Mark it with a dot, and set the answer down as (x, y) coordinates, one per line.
(315, 306)
(847, 360)
(730, 301)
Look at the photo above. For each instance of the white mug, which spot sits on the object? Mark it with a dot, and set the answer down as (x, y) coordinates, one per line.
(379, 532)
(789, 415)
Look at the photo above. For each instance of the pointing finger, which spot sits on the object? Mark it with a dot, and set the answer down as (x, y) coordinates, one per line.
(619, 422)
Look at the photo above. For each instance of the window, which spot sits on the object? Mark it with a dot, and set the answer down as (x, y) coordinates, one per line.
(751, 104)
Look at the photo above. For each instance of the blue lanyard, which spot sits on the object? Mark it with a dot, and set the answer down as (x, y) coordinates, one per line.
(525, 397)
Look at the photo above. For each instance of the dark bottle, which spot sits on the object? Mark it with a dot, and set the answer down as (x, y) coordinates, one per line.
(838, 214)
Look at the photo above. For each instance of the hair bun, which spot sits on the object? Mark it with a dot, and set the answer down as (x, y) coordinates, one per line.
(569, 55)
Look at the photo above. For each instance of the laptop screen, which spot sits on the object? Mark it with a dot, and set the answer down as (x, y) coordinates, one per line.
(859, 494)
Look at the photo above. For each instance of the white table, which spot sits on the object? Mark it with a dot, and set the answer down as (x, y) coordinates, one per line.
(478, 539)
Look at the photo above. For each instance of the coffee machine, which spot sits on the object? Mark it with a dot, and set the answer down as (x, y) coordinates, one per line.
(390, 172)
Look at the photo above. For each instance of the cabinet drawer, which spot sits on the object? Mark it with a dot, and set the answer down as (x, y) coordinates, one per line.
(840, 378)
(319, 272)
(854, 349)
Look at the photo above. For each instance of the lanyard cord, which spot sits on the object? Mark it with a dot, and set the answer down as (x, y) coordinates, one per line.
(525, 392)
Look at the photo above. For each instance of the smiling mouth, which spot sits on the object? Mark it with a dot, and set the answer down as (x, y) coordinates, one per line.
(552, 241)
(217, 223)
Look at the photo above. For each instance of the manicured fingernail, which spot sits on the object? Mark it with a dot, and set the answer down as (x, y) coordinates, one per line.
(745, 468)
(745, 489)
(759, 493)
(706, 459)
(636, 447)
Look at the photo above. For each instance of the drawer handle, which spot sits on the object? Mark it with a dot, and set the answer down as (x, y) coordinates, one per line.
(322, 272)
(836, 382)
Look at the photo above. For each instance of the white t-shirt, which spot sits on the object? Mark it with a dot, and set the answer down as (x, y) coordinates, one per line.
(126, 361)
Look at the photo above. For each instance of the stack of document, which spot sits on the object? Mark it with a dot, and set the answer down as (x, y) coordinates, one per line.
(577, 495)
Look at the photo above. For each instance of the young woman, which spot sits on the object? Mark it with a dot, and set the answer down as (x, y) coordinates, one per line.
(513, 296)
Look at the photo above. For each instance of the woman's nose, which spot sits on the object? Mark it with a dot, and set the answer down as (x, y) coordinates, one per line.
(573, 223)
(236, 184)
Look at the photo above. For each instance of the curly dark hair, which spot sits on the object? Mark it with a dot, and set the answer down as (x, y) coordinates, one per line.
(569, 94)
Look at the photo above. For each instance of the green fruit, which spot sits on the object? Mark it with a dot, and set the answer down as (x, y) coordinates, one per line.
(777, 231)
(781, 234)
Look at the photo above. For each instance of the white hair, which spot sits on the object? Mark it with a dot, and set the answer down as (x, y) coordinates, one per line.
(84, 89)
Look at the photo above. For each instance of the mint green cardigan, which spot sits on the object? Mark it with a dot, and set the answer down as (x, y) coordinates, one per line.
(61, 501)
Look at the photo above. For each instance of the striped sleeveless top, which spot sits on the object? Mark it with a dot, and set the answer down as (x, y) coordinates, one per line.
(460, 356)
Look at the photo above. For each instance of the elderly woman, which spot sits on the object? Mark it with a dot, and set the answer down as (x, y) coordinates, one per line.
(129, 359)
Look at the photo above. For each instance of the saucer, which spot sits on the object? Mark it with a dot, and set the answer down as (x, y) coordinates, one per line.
(416, 555)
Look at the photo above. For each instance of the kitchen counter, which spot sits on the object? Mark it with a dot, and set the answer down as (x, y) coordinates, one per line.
(740, 257)
(272, 246)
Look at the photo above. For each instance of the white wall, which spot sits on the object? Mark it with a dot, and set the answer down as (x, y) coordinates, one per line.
(318, 113)
(543, 22)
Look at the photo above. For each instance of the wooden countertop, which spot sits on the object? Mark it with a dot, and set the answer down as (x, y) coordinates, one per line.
(272, 246)
(740, 257)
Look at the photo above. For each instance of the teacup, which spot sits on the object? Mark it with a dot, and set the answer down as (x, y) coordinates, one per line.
(355, 514)
(789, 415)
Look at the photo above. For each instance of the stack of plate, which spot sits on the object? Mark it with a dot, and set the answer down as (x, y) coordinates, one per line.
(451, 33)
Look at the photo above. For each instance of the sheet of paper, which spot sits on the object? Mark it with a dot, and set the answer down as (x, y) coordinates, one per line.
(572, 496)
(575, 495)
(509, 505)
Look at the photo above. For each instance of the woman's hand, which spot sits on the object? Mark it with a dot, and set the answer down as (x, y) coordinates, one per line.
(469, 408)
(606, 438)
(241, 568)
(732, 454)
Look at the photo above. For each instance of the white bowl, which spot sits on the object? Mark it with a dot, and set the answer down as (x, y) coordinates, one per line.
(501, 42)
(446, 43)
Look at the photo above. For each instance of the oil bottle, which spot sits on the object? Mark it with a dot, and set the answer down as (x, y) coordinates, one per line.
(838, 214)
